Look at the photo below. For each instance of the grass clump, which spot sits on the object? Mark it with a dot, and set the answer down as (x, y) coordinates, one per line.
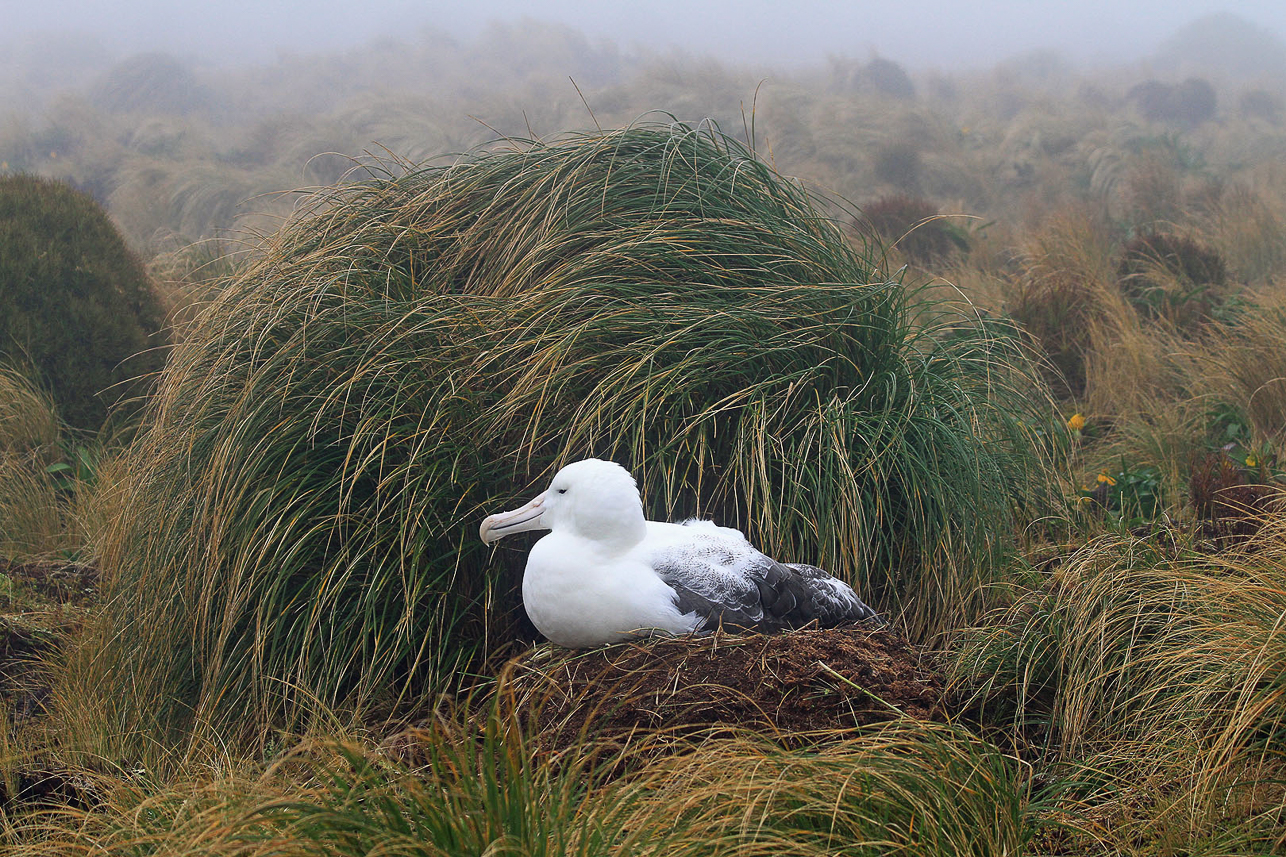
(454, 785)
(1062, 297)
(1150, 676)
(36, 514)
(1173, 278)
(907, 788)
(484, 785)
(75, 303)
(303, 507)
(1138, 641)
(914, 226)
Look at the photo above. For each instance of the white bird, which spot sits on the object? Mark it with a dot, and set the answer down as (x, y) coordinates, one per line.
(605, 573)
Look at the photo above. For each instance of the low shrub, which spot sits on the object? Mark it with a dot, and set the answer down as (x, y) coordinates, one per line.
(75, 303)
(912, 224)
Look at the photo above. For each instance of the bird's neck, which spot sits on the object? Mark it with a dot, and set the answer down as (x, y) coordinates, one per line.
(614, 530)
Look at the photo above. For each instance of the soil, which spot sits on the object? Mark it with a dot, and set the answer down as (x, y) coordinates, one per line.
(787, 685)
(41, 605)
(65, 582)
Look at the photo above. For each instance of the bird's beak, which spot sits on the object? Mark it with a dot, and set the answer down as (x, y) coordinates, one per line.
(496, 527)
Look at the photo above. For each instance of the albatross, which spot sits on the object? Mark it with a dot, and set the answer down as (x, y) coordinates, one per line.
(605, 573)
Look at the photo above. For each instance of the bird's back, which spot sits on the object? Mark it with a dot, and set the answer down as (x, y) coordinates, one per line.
(717, 574)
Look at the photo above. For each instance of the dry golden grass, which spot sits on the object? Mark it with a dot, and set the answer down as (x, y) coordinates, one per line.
(1248, 225)
(35, 519)
(1244, 363)
(1064, 295)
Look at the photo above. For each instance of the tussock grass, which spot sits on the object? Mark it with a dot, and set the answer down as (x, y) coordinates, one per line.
(417, 350)
(1245, 363)
(472, 789)
(483, 786)
(1151, 680)
(1132, 369)
(28, 419)
(907, 788)
(1250, 228)
(1136, 641)
(1063, 295)
(35, 519)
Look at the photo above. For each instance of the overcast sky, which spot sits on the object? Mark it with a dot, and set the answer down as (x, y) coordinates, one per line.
(922, 34)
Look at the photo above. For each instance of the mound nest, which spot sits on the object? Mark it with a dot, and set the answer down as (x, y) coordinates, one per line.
(788, 685)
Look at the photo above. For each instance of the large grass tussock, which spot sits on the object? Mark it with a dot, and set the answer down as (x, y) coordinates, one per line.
(417, 350)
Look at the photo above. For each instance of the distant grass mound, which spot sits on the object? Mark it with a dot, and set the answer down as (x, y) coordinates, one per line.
(153, 83)
(1174, 278)
(418, 351)
(912, 224)
(75, 303)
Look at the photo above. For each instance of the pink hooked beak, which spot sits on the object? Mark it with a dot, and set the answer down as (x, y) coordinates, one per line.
(520, 520)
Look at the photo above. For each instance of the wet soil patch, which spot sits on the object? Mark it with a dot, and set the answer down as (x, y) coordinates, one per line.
(41, 604)
(63, 582)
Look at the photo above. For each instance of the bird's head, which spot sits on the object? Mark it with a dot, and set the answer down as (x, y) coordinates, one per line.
(592, 498)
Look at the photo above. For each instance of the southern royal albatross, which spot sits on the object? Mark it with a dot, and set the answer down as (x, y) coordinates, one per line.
(604, 573)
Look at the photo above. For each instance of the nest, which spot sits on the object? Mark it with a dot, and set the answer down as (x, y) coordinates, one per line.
(786, 685)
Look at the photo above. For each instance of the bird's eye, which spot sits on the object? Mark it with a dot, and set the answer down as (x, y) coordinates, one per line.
(562, 490)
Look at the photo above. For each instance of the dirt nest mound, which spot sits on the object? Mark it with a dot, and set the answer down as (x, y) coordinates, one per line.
(788, 685)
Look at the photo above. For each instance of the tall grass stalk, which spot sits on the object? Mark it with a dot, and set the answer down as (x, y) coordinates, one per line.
(415, 351)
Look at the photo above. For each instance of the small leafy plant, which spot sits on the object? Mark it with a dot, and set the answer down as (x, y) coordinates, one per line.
(1131, 494)
(78, 467)
(1228, 431)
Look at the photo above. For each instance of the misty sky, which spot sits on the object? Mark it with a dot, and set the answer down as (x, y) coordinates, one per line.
(919, 33)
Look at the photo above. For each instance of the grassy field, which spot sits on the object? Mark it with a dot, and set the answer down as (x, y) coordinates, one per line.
(1005, 350)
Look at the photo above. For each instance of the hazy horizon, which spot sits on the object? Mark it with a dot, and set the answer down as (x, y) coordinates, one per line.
(920, 34)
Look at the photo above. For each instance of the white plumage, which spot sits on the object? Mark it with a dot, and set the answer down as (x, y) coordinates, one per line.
(604, 573)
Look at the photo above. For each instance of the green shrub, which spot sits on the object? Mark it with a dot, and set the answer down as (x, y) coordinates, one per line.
(75, 303)
(421, 350)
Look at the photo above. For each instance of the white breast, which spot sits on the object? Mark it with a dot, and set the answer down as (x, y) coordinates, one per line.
(576, 596)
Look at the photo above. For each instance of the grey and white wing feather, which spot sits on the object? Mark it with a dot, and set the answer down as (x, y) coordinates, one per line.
(720, 577)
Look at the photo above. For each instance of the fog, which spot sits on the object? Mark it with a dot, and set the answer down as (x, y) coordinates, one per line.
(921, 34)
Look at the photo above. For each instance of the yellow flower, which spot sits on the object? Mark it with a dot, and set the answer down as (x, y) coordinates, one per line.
(1103, 477)
(1251, 461)
(1076, 423)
